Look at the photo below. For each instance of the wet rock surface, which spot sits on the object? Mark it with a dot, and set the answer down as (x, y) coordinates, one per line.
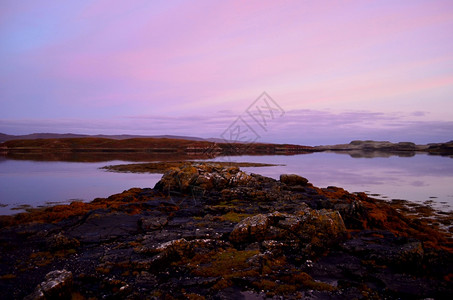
(57, 285)
(208, 231)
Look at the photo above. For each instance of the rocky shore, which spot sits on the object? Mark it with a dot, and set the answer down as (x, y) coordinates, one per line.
(209, 231)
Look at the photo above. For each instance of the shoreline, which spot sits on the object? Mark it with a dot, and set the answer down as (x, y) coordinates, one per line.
(149, 147)
(162, 167)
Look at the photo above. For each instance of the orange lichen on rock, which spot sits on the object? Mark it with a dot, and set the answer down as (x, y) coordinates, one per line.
(243, 235)
(226, 264)
(379, 214)
(57, 213)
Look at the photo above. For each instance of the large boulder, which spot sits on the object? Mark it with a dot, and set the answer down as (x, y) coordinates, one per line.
(307, 230)
(60, 241)
(293, 179)
(178, 179)
(194, 177)
(57, 285)
(251, 229)
(154, 221)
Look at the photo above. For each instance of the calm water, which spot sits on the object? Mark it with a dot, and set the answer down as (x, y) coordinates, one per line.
(40, 183)
(419, 178)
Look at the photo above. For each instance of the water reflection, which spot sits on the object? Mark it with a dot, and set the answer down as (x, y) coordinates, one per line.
(97, 156)
(414, 178)
(417, 178)
(37, 183)
(375, 154)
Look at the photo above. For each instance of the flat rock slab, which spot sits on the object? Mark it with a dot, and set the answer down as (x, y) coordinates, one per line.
(103, 227)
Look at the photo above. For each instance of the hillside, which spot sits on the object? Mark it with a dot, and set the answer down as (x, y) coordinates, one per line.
(134, 146)
(90, 144)
(33, 136)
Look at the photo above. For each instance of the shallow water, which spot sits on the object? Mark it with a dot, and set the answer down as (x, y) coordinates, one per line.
(419, 178)
(24, 182)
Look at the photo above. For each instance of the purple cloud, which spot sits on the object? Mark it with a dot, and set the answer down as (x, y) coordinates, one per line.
(340, 70)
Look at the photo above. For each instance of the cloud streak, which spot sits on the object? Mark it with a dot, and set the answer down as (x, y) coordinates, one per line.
(307, 127)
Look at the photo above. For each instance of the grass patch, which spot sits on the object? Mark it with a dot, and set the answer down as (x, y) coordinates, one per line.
(235, 217)
(227, 264)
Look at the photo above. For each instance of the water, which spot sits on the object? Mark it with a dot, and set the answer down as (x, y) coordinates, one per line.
(43, 183)
(419, 178)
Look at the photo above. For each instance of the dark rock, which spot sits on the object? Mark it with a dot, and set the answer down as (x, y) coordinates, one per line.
(181, 247)
(306, 230)
(104, 226)
(386, 249)
(154, 222)
(216, 232)
(441, 148)
(192, 177)
(178, 179)
(59, 241)
(57, 285)
(146, 279)
(293, 180)
(250, 229)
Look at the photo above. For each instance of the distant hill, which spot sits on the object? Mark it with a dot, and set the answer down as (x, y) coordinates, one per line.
(7, 137)
(162, 145)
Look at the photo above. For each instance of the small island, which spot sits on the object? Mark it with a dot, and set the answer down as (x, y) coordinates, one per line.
(370, 148)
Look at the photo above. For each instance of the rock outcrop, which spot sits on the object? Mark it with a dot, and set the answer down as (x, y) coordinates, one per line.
(57, 285)
(192, 177)
(213, 232)
(308, 232)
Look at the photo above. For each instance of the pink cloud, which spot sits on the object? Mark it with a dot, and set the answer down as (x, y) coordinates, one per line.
(175, 58)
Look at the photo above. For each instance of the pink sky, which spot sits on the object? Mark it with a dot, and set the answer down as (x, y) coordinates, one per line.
(340, 70)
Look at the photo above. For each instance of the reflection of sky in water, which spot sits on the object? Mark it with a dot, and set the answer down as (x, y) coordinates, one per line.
(413, 178)
(35, 183)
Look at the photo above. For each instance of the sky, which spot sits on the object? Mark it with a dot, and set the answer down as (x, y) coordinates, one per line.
(303, 72)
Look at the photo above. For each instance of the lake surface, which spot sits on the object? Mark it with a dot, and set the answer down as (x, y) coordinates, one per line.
(36, 183)
(419, 178)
